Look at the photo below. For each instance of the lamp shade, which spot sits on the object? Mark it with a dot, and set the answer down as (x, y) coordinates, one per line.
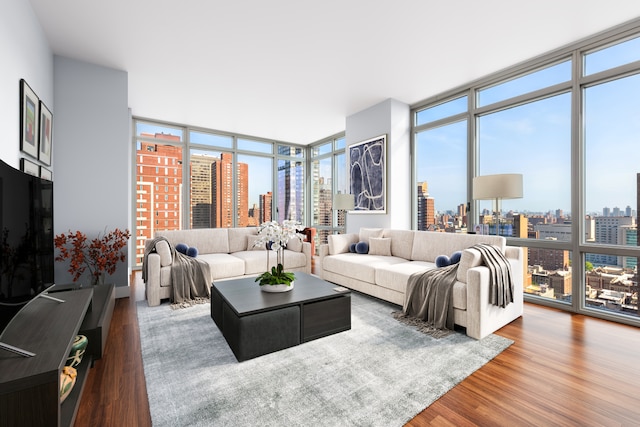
(500, 186)
(343, 202)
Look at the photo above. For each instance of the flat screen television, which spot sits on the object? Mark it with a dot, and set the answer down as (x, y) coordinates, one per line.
(26, 239)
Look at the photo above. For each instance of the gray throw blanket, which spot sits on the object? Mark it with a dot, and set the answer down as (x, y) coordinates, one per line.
(190, 277)
(428, 297)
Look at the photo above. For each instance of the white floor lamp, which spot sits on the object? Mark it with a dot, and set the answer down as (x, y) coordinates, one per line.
(343, 202)
(498, 187)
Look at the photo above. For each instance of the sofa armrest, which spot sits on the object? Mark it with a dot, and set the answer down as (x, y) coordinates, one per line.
(323, 251)
(152, 283)
(306, 250)
(484, 318)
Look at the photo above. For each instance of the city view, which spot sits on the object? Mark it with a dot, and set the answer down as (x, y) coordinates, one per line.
(611, 281)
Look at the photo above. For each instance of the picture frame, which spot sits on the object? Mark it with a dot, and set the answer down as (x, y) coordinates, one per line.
(368, 175)
(46, 134)
(29, 167)
(29, 118)
(46, 173)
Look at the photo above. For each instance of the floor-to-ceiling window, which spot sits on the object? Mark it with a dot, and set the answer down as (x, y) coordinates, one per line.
(611, 123)
(328, 177)
(568, 122)
(198, 178)
(440, 164)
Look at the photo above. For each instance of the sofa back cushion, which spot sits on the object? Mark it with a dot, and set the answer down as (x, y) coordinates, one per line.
(428, 245)
(367, 233)
(401, 242)
(206, 240)
(295, 244)
(238, 238)
(339, 243)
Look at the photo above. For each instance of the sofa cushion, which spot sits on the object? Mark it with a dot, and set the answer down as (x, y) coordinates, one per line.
(380, 246)
(251, 244)
(339, 243)
(396, 276)
(207, 240)
(427, 245)
(470, 258)
(401, 242)
(238, 238)
(162, 249)
(165, 276)
(223, 265)
(367, 233)
(356, 266)
(255, 262)
(294, 245)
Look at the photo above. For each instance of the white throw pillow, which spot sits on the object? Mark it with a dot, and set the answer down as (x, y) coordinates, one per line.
(294, 245)
(367, 233)
(380, 246)
(470, 258)
(162, 249)
(339, 243)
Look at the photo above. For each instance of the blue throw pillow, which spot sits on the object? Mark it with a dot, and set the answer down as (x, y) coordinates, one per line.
(352, 248)
(455, 257)
(182, 248)
(192, 252)
(362, 247)
(442, 261)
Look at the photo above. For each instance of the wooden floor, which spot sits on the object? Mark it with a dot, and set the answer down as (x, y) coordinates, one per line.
(563, 370)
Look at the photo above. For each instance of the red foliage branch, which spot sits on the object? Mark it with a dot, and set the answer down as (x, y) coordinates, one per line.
(99, 255)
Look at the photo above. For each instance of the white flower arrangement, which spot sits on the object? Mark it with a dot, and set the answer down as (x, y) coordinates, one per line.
(278, 235)
(275, 237)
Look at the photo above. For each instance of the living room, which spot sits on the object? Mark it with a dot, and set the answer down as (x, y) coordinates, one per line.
(93, 108)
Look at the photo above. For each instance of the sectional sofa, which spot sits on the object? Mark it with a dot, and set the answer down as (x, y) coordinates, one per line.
(230, 252)
(394, 255)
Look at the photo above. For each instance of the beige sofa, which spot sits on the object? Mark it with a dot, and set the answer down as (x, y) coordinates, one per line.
(229, 252)
(394, 255)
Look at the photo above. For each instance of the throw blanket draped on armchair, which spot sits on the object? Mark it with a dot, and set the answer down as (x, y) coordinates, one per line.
(190, 277)
(428, 300)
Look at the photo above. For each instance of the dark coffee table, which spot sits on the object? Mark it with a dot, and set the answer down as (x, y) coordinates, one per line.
(255, 323)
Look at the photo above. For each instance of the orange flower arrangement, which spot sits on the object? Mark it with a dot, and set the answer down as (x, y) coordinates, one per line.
(98, 255)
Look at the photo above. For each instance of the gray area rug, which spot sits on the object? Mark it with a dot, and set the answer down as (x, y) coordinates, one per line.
(380, 373)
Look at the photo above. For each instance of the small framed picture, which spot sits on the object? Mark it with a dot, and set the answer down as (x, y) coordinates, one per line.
(46, 133)
(46, 173)
(29, 167)
(29, 117)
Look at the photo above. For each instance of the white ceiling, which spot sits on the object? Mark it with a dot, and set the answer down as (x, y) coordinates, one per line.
(293, 70)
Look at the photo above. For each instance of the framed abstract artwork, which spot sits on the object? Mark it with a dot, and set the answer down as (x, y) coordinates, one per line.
(368, 174)
(29, 116)
(46, 133)
(29, 167)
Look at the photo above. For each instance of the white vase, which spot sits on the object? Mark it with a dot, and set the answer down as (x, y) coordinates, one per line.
(277, 288)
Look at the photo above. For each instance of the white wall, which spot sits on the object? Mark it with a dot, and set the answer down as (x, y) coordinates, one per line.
(390, 117)
(92, 154)
(25, 54)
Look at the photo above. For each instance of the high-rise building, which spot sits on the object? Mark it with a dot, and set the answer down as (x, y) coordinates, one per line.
(290, 190)
(607, 231)
(426, 207)
(201, 193)
(265, 207)
(158, 189)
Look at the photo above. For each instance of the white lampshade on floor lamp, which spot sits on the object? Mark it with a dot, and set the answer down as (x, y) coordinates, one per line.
(498, 187)
(344, 202)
